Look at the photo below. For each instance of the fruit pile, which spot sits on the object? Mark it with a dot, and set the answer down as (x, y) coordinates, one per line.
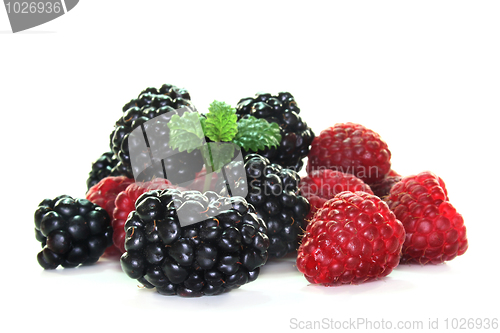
(197, 202)
(205, 216)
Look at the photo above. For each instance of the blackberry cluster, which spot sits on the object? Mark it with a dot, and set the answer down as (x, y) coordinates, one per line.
(275, 194)
(152, 103)
(72, 232)
(103, 167)
(296, 136)
(208, 245)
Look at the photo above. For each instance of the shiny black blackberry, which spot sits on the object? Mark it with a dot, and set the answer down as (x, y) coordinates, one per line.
(275, 194)
(192, 244)
(160, 104)
(296, 136)
(72, 232)
(104, 166)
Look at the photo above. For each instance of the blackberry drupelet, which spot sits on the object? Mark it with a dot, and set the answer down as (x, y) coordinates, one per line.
(151, 103)
(275, 194)
(72, 232)
(221, 252)
(296, 136)
(103, 167)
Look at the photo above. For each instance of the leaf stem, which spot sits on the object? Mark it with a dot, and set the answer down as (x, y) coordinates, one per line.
(209, 167)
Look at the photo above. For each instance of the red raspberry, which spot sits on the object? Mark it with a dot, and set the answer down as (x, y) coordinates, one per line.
(382, 188)
(105, 191)
(322, 185)
(435, 231)
(353, 238)
(104, 194)
(393, 173)
(125, 203)
(351, 148)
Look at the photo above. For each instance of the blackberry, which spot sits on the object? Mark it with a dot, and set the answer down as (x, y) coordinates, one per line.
(207, 246)
(151, 103)
(72, 232)
(103, 167)
(275, 194)
(296, 136)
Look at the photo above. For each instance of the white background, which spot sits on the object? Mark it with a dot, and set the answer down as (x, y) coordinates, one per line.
(424, 74)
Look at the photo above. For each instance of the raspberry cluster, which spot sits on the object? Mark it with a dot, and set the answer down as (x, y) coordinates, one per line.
(358, 203)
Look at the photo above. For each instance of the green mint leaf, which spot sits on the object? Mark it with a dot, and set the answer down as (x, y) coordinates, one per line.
(257, 134)
(220, 124)
(186, 133)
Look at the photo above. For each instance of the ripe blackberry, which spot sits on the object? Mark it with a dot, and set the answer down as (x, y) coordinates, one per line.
(222, 251)
(125, 203)
(153, 103)
(72, 232)
(296, 136)
(103, 167)
(275, 194)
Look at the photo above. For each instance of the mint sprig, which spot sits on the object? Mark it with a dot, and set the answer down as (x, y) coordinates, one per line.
(221, 126)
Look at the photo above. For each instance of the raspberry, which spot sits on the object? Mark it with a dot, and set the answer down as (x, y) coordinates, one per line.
(435, 231)
(351, 148)
(222, 250)
(125, 203)
(72, 232)
(105, 191)
(322, 185)
(104, 194)
(353, 238)
(382, 188)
